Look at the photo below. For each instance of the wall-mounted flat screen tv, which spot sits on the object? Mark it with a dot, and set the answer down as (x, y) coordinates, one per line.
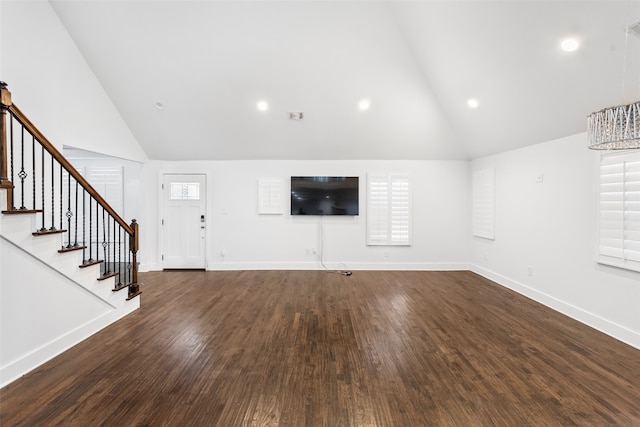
(324, 195)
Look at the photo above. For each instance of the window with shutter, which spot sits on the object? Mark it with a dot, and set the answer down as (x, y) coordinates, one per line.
(619, 210)
(270, 196)
(483, 203)
(108, 181)
(388, 210)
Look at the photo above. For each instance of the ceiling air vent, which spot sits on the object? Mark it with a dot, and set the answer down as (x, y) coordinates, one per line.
(296, 116)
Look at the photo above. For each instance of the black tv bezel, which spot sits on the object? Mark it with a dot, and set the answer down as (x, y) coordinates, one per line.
(322, 178)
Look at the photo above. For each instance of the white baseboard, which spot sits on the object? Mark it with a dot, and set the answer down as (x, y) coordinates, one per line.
(233, 266)
(619, 332)
(30, 361)
(614, 330)
(144, 267)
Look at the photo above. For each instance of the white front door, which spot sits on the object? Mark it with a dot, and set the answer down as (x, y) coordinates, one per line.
(183, 221)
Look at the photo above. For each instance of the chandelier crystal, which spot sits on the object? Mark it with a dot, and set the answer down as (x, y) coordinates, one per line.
(615, 128)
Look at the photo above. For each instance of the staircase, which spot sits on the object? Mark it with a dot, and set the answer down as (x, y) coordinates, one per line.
(68, 265)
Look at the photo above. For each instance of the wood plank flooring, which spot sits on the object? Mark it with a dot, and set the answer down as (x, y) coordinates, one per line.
(310, 348)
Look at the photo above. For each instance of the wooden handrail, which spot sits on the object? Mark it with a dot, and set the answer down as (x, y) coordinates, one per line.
(51, 149)
(10, 112)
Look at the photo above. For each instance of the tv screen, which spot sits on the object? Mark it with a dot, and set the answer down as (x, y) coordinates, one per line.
(324, 195)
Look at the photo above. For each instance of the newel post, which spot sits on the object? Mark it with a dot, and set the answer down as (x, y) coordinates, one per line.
(134, 286)
(5, 101)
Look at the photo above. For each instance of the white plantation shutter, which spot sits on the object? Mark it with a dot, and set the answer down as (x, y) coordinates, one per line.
(619, 211)
(483, 203)
(378, 210)
(108, 181)
(400, 208)
(270, 196)
(388, 210)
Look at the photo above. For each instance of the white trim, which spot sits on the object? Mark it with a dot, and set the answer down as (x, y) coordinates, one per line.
(160, 212)
(388, 210)
(353, 266)
(619, 210)
(605, 326)
(27, 363)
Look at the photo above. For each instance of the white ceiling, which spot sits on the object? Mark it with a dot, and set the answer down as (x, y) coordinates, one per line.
(210, 62)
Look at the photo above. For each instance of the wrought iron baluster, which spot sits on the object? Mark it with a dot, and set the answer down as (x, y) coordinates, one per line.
(22, 174)
(120, 256)
(113, 255)
(84, 226)
(90, 229)
(33, 170)
(75, 240)
(13, 205)
(68, 214)
(53, 196)
(61, 197)
(97, 231)
(43, 228)
(108, 257)
(129, 264)
(104, 241)
(114, 245)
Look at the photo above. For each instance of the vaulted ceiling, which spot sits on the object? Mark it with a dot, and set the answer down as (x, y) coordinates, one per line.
(186, 76)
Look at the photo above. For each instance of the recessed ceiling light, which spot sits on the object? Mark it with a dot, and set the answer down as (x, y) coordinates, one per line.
(364, 104)
(473, 103)
(159, 105)
(262, 105)
(569, 45)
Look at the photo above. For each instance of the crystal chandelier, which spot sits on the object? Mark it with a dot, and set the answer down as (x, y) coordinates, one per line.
(615, 128)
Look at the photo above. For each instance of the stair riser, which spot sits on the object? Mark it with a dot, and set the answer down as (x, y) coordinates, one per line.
(18, 229)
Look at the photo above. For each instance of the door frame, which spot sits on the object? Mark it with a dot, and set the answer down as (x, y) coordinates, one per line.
(161, 207)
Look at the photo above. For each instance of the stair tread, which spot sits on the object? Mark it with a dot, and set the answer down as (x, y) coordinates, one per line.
(133, 295)
(71, 249)
(119, 287)
(107, 275)
(90, 263)
(45, 232)
(21, 211)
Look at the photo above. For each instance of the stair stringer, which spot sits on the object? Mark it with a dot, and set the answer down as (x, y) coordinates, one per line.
(47, 303)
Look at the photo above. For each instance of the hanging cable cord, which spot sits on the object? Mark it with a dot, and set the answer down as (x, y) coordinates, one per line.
(627, 28)
(344, 271)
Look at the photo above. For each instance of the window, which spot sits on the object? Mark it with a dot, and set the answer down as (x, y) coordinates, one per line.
(388, 210)
(270, 196)
(619, 210)
(185, 191)
(108, 181)
(483, 203)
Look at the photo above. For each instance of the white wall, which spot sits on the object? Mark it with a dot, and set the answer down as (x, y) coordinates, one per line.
(252, 241)
(47, 303)
(548, 226)
(551, 227)
(52, 84)
(130, 179)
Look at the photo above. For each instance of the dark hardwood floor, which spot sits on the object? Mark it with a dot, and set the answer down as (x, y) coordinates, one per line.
(310, 348)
